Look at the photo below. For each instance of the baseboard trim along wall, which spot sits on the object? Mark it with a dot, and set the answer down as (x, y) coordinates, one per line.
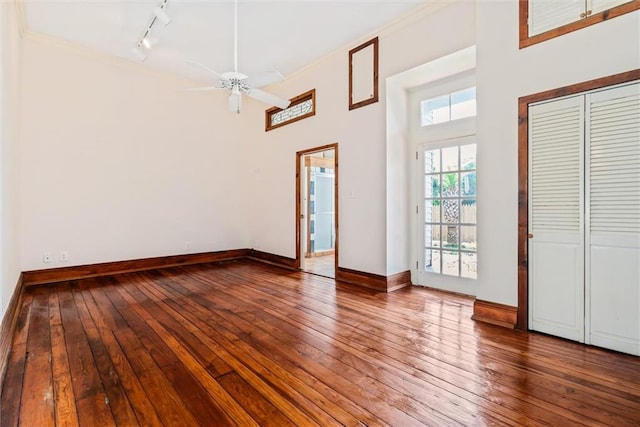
(398, 280)
(40, 277)
(376, 282)
(279, 260)
(8, 326)
(494, 313)
(53, 275)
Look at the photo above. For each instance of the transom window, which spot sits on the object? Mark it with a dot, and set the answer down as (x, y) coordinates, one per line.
(301, 107)
(451, 106)
(450, 206)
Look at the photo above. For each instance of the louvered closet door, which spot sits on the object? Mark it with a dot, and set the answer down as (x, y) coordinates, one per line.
(545, 15)
(613, 255)
(596, 6)
(556, 250)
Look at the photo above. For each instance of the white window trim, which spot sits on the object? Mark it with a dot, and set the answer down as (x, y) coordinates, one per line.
(439, 131)
(445, 282)
(436, 136)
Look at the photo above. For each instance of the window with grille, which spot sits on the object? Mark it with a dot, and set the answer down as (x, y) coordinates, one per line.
(450, 206)
(301, 107)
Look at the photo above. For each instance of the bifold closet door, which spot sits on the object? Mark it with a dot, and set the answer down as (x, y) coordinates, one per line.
(613, 232)
(556, 218)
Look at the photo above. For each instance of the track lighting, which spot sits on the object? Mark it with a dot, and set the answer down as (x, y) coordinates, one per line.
(162, 15)
(159, 15)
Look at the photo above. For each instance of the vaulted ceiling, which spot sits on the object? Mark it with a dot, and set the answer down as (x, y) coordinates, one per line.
(273, 35)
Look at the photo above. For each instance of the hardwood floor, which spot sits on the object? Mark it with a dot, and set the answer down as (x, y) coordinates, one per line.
(321, 265)
(243, 343)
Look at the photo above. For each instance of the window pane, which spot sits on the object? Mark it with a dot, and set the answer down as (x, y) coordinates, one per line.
(468, 157)
(450, 185)
(451, 211)
(432, 260)
(450, 263)
(450, 201)
(432, 161)
(435, 110)
(450, 159)
(428, 259)
(432, 211)
(450, 235)
(432, 235)
(432, 186)
(468, 238)
(469, 265)
(468, 209)
(463, 103)
(468, 184)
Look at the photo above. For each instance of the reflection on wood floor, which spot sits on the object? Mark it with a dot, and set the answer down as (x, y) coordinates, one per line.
(321, 265)
(243, 343)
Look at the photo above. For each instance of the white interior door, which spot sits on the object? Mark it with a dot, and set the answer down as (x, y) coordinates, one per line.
(556, 218)
(613, 185)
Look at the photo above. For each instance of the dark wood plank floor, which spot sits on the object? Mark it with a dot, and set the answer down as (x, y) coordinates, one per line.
(249, 344)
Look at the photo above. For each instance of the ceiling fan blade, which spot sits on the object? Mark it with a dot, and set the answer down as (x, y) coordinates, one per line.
(215, 73)
(268, 98)
(265, 79)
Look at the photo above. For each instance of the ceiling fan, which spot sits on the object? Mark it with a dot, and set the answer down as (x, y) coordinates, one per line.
(238, 83)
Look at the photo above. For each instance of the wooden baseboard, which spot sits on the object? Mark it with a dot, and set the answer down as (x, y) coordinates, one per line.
(269, 258)
(398, 280)
(8, 326)
(377, 282)
(39, 277)
(494, 313)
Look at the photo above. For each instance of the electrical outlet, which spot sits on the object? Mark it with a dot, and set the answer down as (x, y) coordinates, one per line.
(64, 256)
(46, 257)
(187, 245)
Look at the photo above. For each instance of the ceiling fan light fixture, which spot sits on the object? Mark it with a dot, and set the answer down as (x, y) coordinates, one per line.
(235, 101)
(145, 42)
(162, 15)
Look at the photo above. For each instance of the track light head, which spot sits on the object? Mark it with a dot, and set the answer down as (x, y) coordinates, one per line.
(162, 15)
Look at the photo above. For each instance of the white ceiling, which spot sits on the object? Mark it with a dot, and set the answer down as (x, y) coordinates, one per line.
(280, 35)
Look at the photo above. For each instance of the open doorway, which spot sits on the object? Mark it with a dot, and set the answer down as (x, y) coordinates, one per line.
(317, 210)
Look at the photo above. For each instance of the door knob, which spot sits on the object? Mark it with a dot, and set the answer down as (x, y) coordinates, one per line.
(530, 236)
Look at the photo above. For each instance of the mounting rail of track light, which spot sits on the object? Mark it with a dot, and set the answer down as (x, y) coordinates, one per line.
(159, 15)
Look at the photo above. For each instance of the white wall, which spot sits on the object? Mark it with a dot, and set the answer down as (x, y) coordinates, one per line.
(369, 240)
(10, 98)
(118, 162)
(505, 73)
